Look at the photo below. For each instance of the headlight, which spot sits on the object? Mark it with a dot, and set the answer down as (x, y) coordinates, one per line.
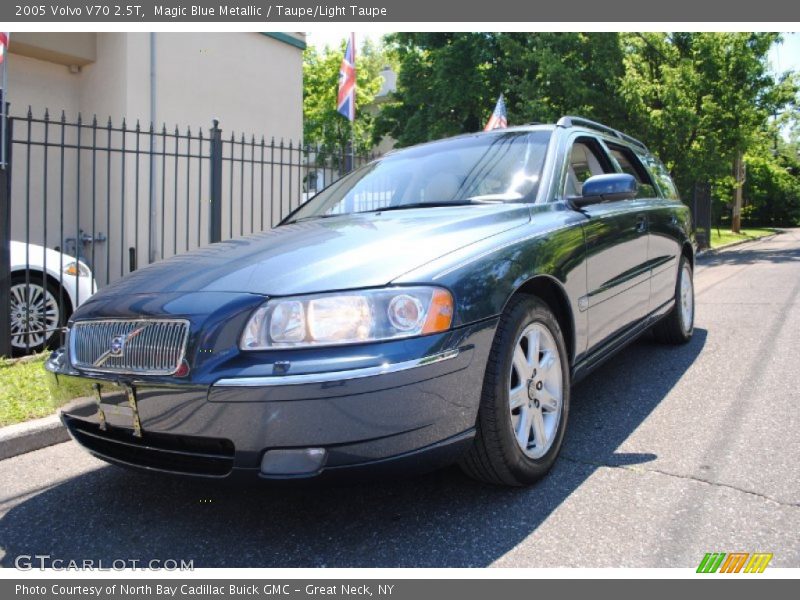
(348, 318)
(76, 267)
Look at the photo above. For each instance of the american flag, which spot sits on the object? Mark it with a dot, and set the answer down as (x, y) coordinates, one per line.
(499, 119)
(4, 35)
(346, 103)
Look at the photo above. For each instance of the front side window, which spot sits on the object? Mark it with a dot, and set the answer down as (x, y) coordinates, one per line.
(586, 159)
(497, 167)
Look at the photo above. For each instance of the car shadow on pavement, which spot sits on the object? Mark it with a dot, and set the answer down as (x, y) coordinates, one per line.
(441, 519)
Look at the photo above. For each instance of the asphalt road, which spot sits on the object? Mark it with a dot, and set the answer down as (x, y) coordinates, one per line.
(671, 452)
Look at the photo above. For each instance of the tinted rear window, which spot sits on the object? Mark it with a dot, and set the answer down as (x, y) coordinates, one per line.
(660, 176)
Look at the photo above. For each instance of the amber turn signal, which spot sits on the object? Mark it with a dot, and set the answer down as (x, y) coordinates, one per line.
(440, 313)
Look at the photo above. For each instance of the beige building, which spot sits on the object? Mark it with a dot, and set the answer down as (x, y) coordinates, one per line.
(388, 87)
(251, 82)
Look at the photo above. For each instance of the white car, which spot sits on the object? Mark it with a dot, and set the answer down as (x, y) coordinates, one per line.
(46, 287)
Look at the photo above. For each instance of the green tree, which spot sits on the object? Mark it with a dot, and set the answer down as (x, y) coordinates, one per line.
(772, 188)
(323, 126)
(445, 83)
(701, 100)
(548, 75)
(449, 82)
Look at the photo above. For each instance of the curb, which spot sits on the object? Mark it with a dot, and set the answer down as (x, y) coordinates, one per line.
(712, 251)
(21, 438)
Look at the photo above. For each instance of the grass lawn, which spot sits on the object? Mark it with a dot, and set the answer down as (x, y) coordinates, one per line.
(24, 394)
(726, 236)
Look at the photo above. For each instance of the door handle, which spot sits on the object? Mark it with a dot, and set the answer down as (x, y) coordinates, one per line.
(641, 223)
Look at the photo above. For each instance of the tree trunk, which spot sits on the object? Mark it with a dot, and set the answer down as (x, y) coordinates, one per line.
(738, 173)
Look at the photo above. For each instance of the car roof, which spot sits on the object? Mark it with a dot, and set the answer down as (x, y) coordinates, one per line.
(473, 134)
(568, 123)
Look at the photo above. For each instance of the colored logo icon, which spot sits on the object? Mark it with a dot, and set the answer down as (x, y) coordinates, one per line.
(734, 562)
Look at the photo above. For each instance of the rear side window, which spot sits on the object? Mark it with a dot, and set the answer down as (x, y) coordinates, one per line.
(660, 176)
(630, 164)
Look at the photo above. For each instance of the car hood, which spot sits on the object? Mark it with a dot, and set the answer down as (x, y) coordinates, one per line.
(348, 251)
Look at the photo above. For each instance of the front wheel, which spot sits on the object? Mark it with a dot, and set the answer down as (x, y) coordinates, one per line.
(525, 400)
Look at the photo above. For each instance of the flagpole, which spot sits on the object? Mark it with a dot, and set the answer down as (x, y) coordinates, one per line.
(346, 99)
(353, 122)
(353, 145)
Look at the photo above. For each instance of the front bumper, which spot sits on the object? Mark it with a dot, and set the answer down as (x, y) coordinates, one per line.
(417, 413)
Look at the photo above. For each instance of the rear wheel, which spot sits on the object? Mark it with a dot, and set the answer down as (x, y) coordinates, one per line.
(677, 327)
(525, 398)
(36, 314)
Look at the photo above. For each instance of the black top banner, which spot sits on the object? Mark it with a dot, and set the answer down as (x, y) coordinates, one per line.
(393, 11)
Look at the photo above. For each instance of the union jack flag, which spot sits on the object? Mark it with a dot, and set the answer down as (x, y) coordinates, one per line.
(346, 102)
(499, 118)
(4, 35)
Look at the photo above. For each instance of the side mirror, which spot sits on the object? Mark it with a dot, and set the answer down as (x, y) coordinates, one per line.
(606, 188)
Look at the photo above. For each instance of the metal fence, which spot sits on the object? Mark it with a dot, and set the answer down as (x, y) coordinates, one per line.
(119, 196)
(701, 213)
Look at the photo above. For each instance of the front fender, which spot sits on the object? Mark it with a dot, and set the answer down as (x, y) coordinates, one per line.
(485, 275)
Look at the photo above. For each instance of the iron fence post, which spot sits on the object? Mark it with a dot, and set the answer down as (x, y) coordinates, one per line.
(5, 239)
(215, 184)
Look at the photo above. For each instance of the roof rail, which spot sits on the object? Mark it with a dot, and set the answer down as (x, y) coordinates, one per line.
(570, 121)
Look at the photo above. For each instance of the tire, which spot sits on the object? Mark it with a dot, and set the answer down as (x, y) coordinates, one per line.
(497, 455)
(30, 337)
(678, 326)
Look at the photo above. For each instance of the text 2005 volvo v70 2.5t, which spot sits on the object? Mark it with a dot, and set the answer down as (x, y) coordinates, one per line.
(432, 307)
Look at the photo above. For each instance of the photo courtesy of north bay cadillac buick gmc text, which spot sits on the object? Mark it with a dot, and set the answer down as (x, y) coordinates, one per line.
(432, 307)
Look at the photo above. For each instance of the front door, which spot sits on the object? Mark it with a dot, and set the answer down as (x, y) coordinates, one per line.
(618, 275)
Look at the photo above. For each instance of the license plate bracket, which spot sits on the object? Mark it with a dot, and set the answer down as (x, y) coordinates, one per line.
(117, 406)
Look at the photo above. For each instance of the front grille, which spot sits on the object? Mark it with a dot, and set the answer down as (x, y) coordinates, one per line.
(188, 455)
(137, 346)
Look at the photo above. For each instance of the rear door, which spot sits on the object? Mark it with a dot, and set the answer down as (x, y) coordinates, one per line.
(664, 249)
(618, 277)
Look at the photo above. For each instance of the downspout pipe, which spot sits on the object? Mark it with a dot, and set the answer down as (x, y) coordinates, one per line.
(153, 242)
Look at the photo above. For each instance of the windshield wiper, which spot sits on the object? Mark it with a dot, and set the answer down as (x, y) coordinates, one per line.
(467, 202)
(310, 217)
(429, 205)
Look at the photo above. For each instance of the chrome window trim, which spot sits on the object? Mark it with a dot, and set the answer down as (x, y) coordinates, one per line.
(332, 376)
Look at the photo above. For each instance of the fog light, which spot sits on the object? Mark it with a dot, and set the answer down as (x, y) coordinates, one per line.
(305, 461)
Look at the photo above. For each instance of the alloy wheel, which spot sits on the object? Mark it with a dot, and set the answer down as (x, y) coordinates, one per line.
(35, 314)
(535, 391)
(687, 298)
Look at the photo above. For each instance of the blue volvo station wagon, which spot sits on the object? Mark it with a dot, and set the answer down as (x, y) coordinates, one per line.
(432, 307)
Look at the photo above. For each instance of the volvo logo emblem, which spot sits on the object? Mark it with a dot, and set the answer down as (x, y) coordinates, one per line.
(117, 345)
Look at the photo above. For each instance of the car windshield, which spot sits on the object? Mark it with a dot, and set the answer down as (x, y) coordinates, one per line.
(499, 167)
